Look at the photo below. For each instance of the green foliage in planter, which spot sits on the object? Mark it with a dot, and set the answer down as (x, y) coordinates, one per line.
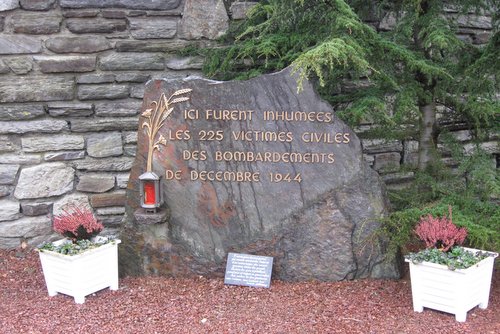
(74, 248)
(457, 258)
(481, 219)
(470, 188)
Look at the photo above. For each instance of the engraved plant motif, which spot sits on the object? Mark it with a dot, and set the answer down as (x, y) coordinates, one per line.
(156, 117)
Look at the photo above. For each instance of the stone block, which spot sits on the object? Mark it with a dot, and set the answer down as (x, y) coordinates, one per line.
(203, 19)
(20, 65)
(239, 9)
(37, 4)
(113, 210)
(129, 4)
(81, 13)
(113, 14)
(387, 162)
(474, 21)
(152, 27)
(52, 143)
(43, 126)
(18, 44)
(129, 137)
(400, 177)
(60, 64)
(372, 146)
(109, 220)
(460, 135)
(36, 24)
(37, 88)
(4, 69)
(101, 145)
(7, 145)
(8, 5)
(147, 218)
(20, 158)
(185, 63)
(151, 46)
(73, 109)
(464, 38)
(135, 13)
(64, 155)
(18, 112)
(120, 164)
(132, 77)
(104, 124)
(45, 180)
(9, 210)
(388, 22)
(5, 191)
(83, 44)
(137, 91)
(122, 180)
(98, 25)
(481, 37)
(117, 198)
(130, 150)
(36, 208)
(128, 108)
(70, 201)
(491, 147)
(95, 78)
(410, 153)
(102, 91)
(34, 230)
(132, 61)
(8, 173)
(369, 159)
(96, 183)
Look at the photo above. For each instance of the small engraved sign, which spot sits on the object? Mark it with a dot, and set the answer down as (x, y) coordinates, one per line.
(248, 270)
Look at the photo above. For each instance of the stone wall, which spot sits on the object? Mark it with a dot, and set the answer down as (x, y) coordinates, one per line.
(393, 158)
(72, 75)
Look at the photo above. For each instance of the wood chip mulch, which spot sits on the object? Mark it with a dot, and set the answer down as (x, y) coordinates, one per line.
(201, 305)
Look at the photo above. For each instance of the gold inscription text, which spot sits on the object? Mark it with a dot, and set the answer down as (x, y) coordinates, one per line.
(231, 176)
(228, 115)
(298, 116)
(286, 157)
(268, 136)
(326, 137)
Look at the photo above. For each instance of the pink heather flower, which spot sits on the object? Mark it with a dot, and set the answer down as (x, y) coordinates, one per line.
(77, 224)
(440, 233)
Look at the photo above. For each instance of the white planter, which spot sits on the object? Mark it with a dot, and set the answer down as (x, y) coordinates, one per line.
(82, 274)
(453, 291)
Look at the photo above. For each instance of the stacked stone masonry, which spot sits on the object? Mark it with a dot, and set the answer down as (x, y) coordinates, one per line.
(72, 75)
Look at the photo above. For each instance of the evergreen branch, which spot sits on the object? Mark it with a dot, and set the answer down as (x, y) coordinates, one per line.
(336, 53)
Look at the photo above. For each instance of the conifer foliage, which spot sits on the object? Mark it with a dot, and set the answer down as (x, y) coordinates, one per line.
(420, 64)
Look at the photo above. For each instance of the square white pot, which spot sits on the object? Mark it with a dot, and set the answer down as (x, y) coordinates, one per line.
(82, 274)
(453, 291)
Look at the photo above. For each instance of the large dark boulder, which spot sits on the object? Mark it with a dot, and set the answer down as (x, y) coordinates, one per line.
(317, 222)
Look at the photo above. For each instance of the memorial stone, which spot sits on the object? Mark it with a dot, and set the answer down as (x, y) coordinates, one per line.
(252, 167)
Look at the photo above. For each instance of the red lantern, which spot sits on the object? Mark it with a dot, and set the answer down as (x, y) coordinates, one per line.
(150, 191)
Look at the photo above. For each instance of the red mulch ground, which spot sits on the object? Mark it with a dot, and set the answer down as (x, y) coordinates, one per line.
(163, 305)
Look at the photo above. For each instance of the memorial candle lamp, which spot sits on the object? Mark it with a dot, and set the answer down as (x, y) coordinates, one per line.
(150, 191)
